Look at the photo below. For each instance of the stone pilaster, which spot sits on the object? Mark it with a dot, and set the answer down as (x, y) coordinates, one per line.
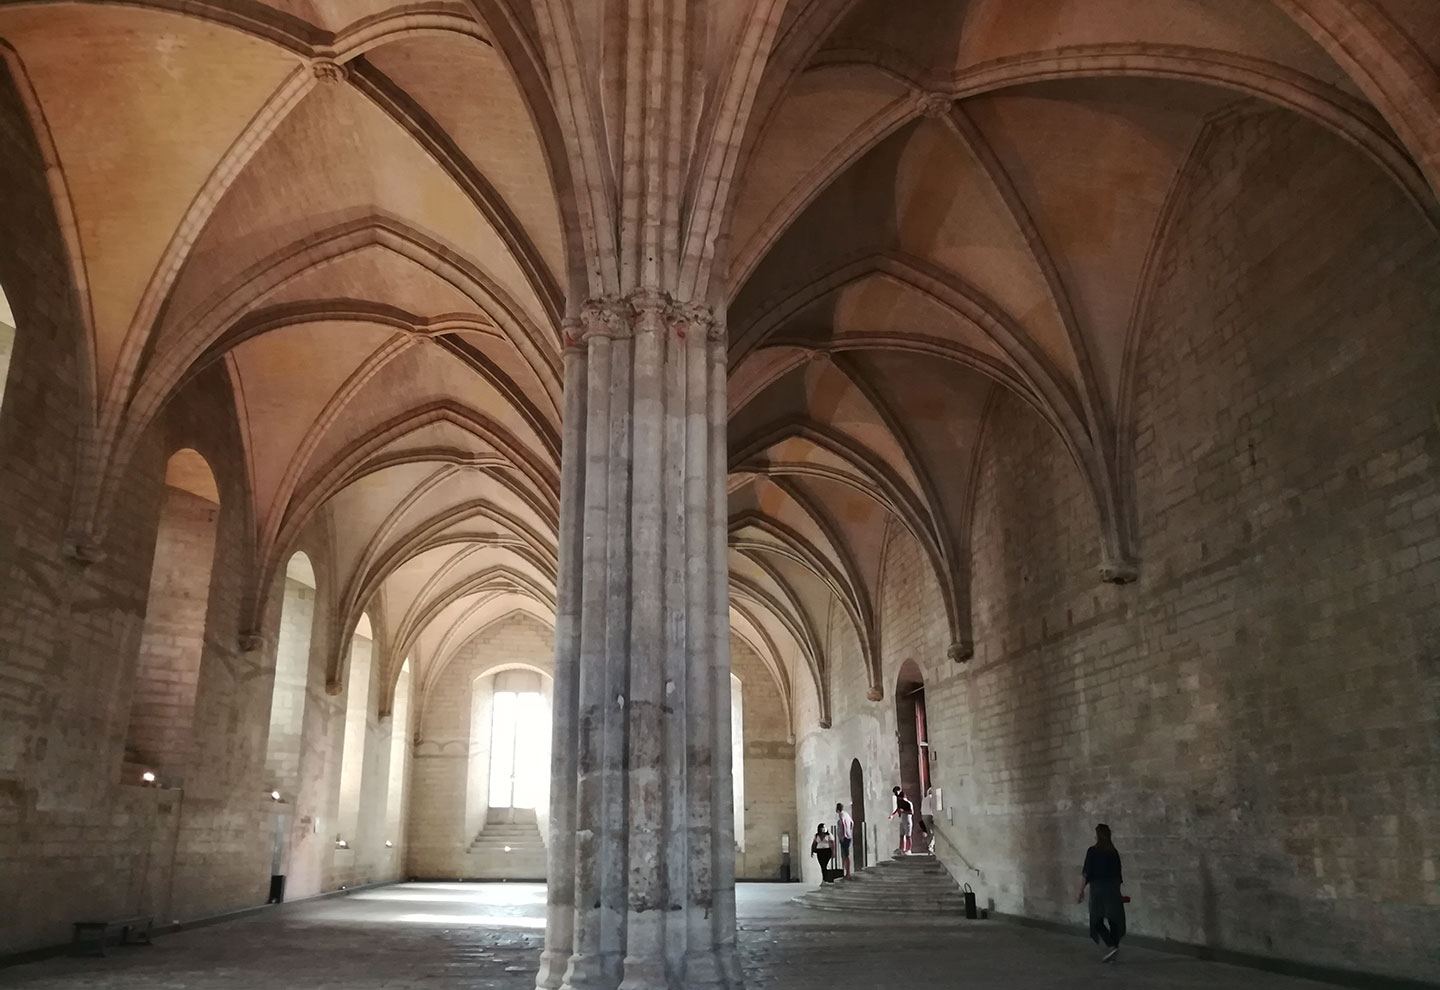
(642, 852)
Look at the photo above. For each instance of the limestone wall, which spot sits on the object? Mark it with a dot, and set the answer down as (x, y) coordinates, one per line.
(769, 771)
(448, 798)
(1256, 716)
(78, 834)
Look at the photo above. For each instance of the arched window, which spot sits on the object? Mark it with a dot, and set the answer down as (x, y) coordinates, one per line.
(357, 709)
(7, 341)
(399, 750)
(518, 727)
(737, 758)
(292, 671)
(167, 671)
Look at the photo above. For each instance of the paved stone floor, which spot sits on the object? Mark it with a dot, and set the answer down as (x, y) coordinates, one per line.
(450, 935)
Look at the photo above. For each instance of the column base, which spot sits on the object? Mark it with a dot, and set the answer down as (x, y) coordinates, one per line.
(645, 973)
(586, 972)
(552, 970)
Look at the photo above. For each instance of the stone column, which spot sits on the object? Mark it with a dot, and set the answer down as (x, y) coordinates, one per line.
(642, 851)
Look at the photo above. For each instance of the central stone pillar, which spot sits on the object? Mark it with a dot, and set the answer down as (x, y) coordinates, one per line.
(642, 855)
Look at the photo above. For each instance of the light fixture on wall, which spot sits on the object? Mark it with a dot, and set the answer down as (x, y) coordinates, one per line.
(507, 849)
(389, 844)
(274, 795)
(148, 776)
(341, 843)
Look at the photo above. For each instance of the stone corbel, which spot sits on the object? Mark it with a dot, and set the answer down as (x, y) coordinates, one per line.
(1119, 571)
(961, 651)
(250, 641)
(82, 549)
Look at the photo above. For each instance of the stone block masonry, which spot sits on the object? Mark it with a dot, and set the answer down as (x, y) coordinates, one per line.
(1256, 716)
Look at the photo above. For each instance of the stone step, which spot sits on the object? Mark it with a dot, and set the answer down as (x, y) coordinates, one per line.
(905, 885)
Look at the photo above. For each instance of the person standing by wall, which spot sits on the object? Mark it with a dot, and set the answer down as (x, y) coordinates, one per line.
(1107, 906)
(845, 834)
(822, 847)
(906, 812)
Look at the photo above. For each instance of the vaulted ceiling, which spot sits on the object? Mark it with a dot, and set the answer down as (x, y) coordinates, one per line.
(361, 210)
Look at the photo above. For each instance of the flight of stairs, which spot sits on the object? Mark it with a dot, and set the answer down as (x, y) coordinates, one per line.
(907, 885)
(508, 851)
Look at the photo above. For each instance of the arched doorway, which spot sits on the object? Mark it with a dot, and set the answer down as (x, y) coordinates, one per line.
(857, 811)
(911, 732)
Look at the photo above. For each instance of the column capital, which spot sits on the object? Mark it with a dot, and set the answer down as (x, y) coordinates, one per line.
(642, 310)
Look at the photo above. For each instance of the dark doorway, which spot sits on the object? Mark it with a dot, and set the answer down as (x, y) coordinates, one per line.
(911, 732)
(857, 812)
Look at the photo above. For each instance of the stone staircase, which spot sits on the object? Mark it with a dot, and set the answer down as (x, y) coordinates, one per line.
(915, 884)
(508, 851)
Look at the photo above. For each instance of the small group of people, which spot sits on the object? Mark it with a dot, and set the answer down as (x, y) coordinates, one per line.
(1100, 874)
(905, 811)
(826, 844)
(823, 846)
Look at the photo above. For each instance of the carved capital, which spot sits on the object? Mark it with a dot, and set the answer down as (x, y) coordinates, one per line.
(652, 310)
(606, 316)
(874, 694)
(961, 651)
(250, 641)
(692, 319)
(572, 334)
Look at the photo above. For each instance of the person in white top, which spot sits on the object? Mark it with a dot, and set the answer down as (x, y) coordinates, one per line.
(822, 847)
(927, 816)
(845, 832)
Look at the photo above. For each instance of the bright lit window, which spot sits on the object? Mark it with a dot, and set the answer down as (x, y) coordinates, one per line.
(517, 736)
(7, 340)
(737, 759)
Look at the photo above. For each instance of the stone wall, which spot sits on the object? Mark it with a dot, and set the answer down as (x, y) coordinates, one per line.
(1256, 716)
(769, 771)
(448, 797)
(78, 832)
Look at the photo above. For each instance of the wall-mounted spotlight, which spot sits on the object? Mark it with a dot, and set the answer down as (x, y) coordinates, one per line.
(274, 795)
(389, 844)
(341, 843)
(148, 776)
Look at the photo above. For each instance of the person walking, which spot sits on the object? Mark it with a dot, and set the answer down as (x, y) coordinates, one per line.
(927, 818)
(1102, 875)
(845, 834)
(906, 813)
(822, 848)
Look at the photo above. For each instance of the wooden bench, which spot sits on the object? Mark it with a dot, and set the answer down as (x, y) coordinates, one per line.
(93, 934)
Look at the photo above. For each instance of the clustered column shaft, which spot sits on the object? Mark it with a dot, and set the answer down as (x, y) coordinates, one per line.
(641, 888)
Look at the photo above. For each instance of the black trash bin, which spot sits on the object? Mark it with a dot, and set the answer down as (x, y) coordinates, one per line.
(971, 911)
(277, 888)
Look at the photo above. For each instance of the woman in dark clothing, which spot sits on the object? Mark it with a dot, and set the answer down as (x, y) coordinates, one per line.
(1107, 907)
(822, 847)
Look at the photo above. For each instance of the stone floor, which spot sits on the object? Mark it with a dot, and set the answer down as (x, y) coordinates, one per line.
(450, 935)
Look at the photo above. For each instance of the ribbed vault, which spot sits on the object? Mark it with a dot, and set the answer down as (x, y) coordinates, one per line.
(364, 213)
